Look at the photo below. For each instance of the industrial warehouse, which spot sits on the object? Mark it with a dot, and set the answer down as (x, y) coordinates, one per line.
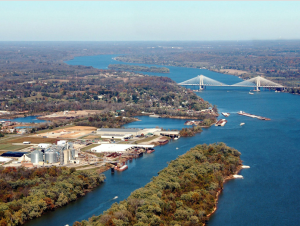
(107, 147)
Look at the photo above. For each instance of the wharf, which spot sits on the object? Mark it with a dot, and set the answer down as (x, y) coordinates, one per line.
(253, 116)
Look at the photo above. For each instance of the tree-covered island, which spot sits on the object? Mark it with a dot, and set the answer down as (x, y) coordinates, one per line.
(184, 193)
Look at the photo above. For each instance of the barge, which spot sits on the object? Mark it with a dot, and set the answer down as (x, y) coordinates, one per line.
(190, 123)
(163, 142)
(122, 168)
(221, 122)
(253, 116)
(150, 150)
(155, 116)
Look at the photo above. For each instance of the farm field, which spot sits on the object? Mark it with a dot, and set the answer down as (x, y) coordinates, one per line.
(10, 147)
(33, 140)
(73, 132)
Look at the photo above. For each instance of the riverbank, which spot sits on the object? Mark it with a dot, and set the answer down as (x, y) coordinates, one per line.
(239, 168)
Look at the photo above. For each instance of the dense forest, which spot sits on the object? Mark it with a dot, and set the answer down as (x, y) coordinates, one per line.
(124, 67)
(135, 93)
(184, 193)
(28, 193)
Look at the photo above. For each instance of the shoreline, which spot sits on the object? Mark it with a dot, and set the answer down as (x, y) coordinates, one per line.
(220, 191)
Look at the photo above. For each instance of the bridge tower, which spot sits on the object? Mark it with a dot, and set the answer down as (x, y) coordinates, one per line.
(258, 83)
(201, 83)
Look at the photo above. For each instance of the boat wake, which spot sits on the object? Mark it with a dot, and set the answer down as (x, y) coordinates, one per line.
(97, 208)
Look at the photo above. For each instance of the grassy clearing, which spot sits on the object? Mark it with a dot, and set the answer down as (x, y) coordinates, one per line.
(34, 140)
(8, 138)
(10, 147)
(50, 130)
(91, 137)
(89, 147)
(124, 142)
(146, 139)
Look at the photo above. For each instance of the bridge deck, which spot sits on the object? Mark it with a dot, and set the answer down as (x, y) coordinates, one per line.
(232, 85)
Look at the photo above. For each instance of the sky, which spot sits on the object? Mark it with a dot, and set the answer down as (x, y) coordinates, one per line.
(148, 20)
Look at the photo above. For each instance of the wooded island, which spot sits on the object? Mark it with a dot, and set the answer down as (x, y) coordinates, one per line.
(184, 193)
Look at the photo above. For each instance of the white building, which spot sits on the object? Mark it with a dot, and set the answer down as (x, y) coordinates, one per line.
(116, 136)
(2, 159)
(119, 131)
(42, 145)
(119, 148)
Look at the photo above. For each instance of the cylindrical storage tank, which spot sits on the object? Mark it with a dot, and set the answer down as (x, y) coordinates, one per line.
(50, 157)
(61, 157)
(72, 153)
(66, 156)
(36, 156)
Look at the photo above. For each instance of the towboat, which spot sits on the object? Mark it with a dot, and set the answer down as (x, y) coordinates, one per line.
(221, 122)
(225, 114)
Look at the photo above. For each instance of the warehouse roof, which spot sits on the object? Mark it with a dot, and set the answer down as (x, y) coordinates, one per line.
(5, 159)
(13, 154)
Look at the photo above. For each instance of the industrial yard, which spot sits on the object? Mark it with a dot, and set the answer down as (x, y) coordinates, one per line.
(83, 147)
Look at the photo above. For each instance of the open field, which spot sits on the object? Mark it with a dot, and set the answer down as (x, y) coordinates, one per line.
(233, 71)
(147, 140)
(48, 130)
(90, 137)
(89, 147)
(69, 132)
(34, 140)
(64, 114)
(10, 147)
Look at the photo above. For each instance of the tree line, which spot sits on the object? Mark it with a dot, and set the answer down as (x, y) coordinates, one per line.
(28, 193)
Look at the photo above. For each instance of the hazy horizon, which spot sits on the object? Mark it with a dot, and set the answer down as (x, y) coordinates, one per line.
(149, 21)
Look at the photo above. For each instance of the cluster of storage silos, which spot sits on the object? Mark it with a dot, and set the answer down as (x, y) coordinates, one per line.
(63, 153)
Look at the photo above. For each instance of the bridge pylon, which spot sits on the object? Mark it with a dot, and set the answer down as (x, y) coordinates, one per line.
(202, 81)
(201, 84)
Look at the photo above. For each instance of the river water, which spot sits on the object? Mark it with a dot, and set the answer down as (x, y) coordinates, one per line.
(27, 119)
(269, 193)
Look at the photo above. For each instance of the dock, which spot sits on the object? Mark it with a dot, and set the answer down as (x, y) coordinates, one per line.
(253, 116)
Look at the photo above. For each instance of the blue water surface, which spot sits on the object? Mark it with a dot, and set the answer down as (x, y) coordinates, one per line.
(27, 119)
(269, 193)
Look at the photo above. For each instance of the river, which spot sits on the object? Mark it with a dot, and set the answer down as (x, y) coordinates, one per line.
(268, 194)
(27, 119)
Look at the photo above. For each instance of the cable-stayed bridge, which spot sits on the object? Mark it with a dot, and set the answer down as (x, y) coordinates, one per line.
(257, 82)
